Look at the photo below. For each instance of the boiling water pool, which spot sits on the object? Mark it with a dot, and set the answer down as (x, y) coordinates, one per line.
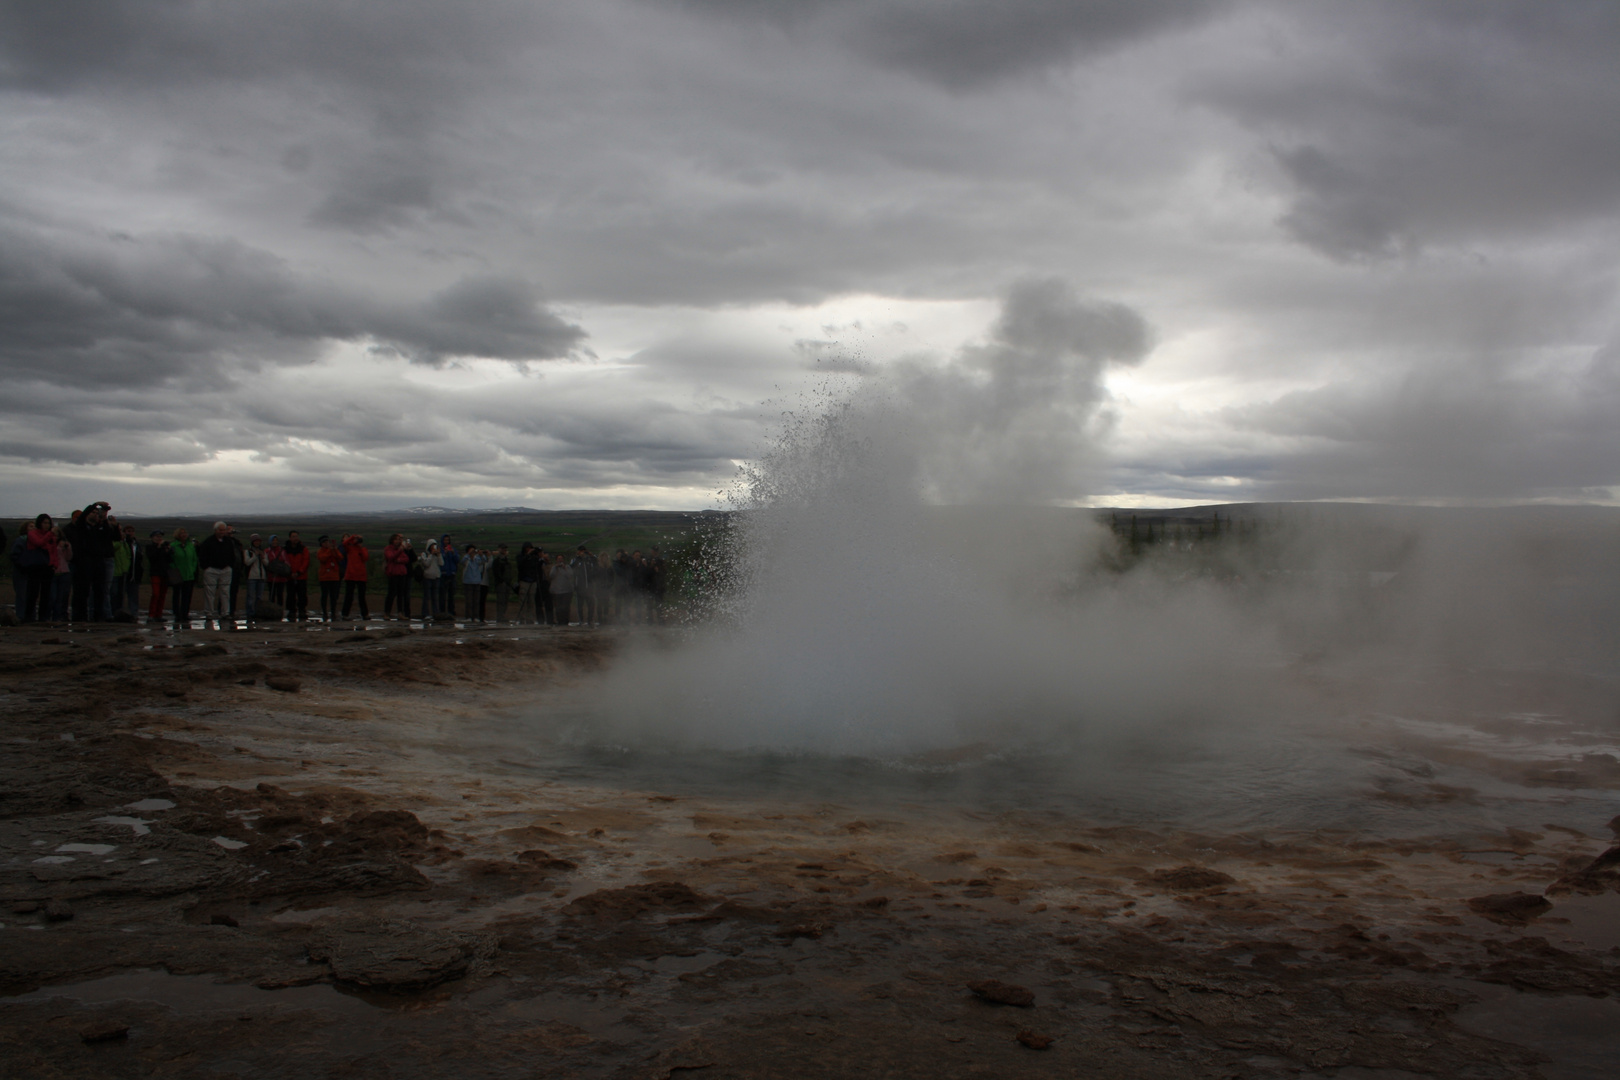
(1430, 772)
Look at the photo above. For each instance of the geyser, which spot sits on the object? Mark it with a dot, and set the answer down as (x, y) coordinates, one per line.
(887, 583)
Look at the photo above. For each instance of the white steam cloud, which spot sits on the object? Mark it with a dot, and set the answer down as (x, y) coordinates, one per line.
(892, 594)
(887, 552)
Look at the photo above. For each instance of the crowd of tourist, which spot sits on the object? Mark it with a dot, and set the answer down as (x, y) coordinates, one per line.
(93, 569)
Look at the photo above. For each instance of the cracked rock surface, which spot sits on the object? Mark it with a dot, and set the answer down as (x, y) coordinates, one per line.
(202, 875)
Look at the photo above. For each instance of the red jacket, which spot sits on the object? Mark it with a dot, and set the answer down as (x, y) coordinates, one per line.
(299, 561)
(271, 556)
(331, 564)
(355, 568)
(42, 540)
(396, 563)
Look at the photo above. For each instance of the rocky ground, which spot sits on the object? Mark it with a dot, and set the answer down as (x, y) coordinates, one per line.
(246, 854)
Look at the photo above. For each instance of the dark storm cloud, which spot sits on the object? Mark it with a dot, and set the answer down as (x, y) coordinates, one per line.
(377, 198)
(373, 429)
(969, 42)
(966, 43)
(58, 46)
(249, 189)
(147, 311)
(1397, 124)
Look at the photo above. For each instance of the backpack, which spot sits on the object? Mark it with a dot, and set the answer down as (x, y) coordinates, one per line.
(279, 568)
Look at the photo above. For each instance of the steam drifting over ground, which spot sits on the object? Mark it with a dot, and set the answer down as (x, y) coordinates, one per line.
(892, 589)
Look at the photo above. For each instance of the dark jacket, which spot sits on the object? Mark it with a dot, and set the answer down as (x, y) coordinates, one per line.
(216, 553)
(585, 571)
(157, 560)
(92, 542)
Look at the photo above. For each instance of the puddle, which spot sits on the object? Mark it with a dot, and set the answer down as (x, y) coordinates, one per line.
(1491, 858)
(138, 824)
(228, 844)
(1577, 1033)
(53, 860)
(671, 964)
(88, 849)
(1594, 921)
(605, 1019)
(148, 805)
(307, 915)
(197, 995)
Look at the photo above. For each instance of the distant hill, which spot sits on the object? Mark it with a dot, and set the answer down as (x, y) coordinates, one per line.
(442, 511)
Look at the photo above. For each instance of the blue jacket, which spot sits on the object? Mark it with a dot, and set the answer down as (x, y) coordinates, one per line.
(452, 561)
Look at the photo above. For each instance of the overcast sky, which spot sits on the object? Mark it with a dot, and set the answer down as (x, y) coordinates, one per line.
(318, 254)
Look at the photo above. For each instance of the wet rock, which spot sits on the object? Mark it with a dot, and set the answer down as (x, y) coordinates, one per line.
(1510, 908)
(678, 1061)
(365, 878)
(1034, 1040)
(544, 860)
(397, 959)
(811, 930)
(1000, 993)
(1601, 875)
(610, 905)
(104, 1031)
(25, 907)
(1534, 964)
(221, 919)
(288, 977)
(269, 611)
(285, 683)
(57, 911)
(517, 874)
(394, 828)
(1190, 878)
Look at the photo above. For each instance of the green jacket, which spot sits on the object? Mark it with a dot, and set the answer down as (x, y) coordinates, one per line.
(183, 557)
(121, 559)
